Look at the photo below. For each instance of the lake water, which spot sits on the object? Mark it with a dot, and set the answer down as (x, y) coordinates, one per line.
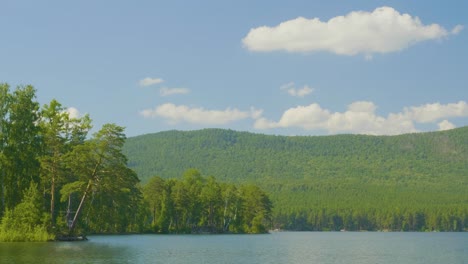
(279, 247)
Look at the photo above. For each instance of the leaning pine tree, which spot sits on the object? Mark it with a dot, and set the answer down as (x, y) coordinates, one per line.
(101, 172)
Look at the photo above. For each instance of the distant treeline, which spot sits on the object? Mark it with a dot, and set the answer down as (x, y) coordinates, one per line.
(414, 182)
(373, 220)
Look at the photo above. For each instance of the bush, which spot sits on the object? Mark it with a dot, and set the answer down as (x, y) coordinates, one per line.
(25, 222)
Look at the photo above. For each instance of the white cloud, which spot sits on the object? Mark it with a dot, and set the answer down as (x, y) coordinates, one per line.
(445, 125)
(360, 117)
(431, 112)
(171, 91)
(381, 31)
(293, 91)
(197, 115)
(73, 112)
(150, 81)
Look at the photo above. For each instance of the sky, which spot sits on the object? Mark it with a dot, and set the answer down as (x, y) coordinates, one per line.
(273, 67)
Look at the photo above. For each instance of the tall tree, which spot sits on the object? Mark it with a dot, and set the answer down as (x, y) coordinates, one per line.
(256, 209)
(231, 204)
(154, 193)
(193, 184)
(60, 133)
(101, 169)
(22, 144)
(211, 200)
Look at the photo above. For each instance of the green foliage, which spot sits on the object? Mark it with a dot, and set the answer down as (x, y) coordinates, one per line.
(99, 166)
(196, 204)
(327, 182)
(21, 144)
(48, 150)
(26, 222)
(60, 134)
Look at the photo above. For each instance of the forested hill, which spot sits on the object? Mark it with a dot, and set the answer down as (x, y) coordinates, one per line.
(243, 156)
(303, 173)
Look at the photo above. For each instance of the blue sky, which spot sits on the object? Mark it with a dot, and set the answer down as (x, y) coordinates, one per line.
(274, 67)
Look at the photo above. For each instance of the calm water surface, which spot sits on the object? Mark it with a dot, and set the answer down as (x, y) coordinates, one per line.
(282, 247)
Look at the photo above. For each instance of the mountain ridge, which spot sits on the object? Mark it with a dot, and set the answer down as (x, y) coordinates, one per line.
(443, 144)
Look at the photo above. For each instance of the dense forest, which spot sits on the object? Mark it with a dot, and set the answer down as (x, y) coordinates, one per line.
(416, 182)
(196, 204)
(57, 182)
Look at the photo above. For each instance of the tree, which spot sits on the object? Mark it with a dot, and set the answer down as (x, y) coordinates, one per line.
(101, 169)
(192, 184)
(211, 200)
(231, 204)
(256, 209)
(60, 133)
(180, 206)
(154, 192)
(21, 148)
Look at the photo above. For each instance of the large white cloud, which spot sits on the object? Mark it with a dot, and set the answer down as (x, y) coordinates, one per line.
(360, 117)
(381, 31)
(197, 115)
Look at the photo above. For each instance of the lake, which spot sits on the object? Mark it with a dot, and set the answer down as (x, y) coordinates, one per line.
(277, 247)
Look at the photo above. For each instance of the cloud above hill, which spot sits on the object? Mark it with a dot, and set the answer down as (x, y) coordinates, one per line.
(383, 30)
(360, 117)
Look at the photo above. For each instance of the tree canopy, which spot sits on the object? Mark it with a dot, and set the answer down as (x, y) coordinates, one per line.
(197, 204)
(56, 181)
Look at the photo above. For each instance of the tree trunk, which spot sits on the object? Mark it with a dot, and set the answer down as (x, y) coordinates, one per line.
(2, 189)
(78, 211)
(52, 201)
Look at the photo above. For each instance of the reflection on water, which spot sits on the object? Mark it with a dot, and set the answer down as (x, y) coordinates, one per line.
(60, 252)
(282, 247)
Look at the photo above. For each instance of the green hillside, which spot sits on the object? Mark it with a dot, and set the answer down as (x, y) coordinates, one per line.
(311, 179)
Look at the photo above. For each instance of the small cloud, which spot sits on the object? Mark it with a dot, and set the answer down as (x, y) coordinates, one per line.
(73, 112)
(445, 125)
(196, 115)
(150, 81)
(457, 29)
(383, 30)
(171, 91)
(293, 91)
(287, 86)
